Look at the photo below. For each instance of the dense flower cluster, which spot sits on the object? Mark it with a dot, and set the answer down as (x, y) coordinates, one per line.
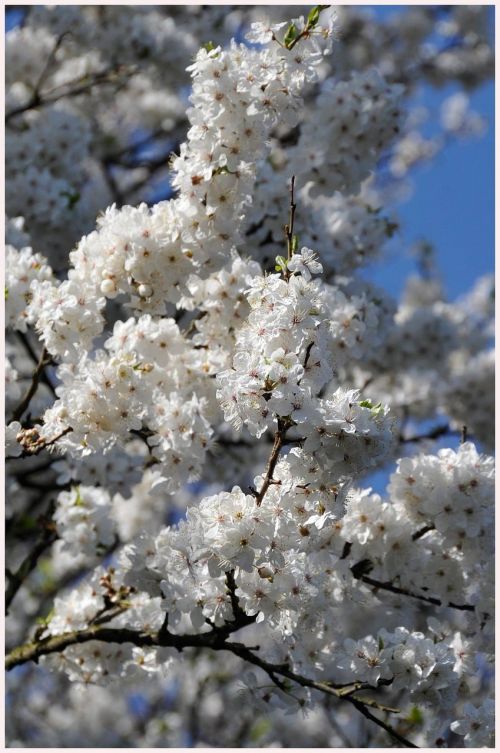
(22, 268)
(278, 365)
(83, 522)
(201, 385)
(361, 117)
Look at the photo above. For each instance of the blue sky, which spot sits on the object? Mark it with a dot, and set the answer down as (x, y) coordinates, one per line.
(452, 206)
(453, 203)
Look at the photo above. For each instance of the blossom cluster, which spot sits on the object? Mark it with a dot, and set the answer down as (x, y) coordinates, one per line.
(200, 393)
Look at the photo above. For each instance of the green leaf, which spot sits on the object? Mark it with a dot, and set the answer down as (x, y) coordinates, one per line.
(223, 170)
(415, 716)
(72, 197)
(46, 618)
(375, 409)
(366, 404)
(280, 265)
(259, 729)
(27, 523)
(78, 501)
(313, 17)
(291, 35)
(295, 243)
(208, 46)
(6, 292)
(380, 643)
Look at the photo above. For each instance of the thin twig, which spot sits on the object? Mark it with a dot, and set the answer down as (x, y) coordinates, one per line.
(388, 586)
(279, 439)
(50, 60)
(291, 220)
(40, 445)
(29, 348)
(422, 531)
(438, 431)
(238, 612)
(43, 361)
(97, 79)
(49, 535)
(390, 730)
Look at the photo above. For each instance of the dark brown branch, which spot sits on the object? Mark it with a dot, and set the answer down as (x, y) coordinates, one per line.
(114, 189)
(240, 615)
(224, 442)
(421, 532)
(438, 431)
(388, 586)
(214, 639)
(81, 85)
(49, 535)
(40, 445)
(36, 99)
(359, 705)
(130, 148)
(291, 220)
(26, 343)
(308, 353)
(276, 669)
(51, 59)
(43, 361)
(279, 439)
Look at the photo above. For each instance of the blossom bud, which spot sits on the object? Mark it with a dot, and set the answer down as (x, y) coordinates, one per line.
(108, 288)
(145, 290)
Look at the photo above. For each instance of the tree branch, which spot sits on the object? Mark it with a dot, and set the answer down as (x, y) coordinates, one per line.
(29, 563)
(34, 446)
(390, 730)
(291, 220)
(422, 531)
(279, 440)
(81, 85)
(26, 343)
(214, 639)
(438, 431)
(388, 586)
(43, 361)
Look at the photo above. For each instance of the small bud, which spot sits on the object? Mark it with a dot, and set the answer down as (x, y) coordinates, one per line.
(108, 288)
(145, 290)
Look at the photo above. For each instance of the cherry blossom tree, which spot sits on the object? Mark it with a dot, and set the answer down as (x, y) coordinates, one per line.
(201, 384)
